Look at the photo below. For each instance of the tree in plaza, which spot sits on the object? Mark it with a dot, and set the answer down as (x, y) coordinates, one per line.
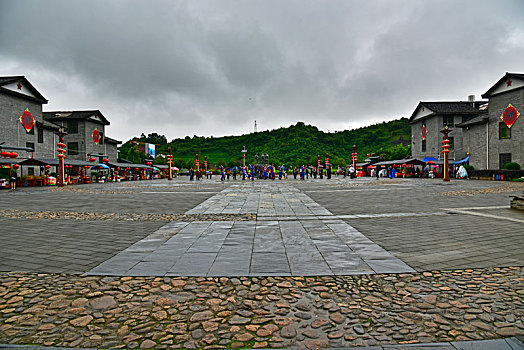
(233, 163)
(340, 162)
(180, 163)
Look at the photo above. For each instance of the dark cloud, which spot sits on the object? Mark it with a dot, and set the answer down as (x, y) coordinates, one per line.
(213, 67)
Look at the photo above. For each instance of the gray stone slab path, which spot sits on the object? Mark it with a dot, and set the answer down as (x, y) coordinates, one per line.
(293, 236)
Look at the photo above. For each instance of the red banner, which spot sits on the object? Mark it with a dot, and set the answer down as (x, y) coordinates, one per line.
(424, 132)
(27, 120)
(510, 116)
(96, 136)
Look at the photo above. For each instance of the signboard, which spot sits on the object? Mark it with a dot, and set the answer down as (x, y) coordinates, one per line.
(150, 149)
(27, 120)
(510, 116)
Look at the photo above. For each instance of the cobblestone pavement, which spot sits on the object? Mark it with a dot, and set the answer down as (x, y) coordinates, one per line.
(162, 312)
(461, 238)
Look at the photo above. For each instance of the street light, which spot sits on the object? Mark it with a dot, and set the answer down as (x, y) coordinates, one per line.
(244, 151)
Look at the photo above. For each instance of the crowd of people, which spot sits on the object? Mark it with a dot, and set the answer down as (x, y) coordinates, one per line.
(272, 172)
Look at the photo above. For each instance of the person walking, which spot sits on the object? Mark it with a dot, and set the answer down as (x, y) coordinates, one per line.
(223, 173)
(12, 181)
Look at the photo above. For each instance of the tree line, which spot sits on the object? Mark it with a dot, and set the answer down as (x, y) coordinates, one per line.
(293, 146)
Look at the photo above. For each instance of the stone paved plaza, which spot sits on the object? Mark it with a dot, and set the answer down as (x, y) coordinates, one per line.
(316, 263)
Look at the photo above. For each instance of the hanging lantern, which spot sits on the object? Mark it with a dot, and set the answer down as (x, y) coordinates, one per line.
(5, 154)
(105, 160)
(16, 166)
(117, 168)
(128, 168)
(86, 167)
(60, 155)
(136, 168)
(48, 166)
(92, 159)
(61, 145)
(13, 155)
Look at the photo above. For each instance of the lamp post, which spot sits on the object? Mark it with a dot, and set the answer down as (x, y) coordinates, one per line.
(354, 156)
(244, 151)
(61, 156)
(170, 162)
(445, 150)
(197, 162)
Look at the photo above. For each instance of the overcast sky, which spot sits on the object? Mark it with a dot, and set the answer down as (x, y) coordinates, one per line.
(214, 67)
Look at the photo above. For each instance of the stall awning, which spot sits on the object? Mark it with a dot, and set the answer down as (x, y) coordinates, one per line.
(462, 161)
(39, 162)
(412, 161)
(52, 162)
(128, 165)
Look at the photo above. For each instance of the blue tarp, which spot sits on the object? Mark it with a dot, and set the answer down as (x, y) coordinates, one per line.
(465, 160)
(427, 159)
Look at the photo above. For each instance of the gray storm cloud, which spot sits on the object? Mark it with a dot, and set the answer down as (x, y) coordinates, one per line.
(213, 67)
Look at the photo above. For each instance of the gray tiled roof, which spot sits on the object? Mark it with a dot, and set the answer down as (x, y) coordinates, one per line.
(457, 107)
(64, 115)
(481, 119)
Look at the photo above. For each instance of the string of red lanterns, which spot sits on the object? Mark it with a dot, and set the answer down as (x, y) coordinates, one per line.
(6, 154)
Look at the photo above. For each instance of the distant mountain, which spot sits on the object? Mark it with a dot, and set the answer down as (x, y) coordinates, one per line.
(294, 145)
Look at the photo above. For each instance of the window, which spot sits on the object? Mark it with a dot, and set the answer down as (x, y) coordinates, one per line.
(101, 138)
(72, 148)
(504, 131)
(31, 171)
(451, 142)
(72, 126)
(40, 135)
(423, 145)
(447, 120)
(30, 145)
(504, 158)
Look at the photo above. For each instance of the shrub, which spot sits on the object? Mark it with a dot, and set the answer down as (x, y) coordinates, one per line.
(512, 166)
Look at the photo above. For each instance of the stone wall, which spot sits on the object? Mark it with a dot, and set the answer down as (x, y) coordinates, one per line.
(434, 139)
(13, 133)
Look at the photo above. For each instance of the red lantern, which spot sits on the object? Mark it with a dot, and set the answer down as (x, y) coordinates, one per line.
(117, 168)
(5, 154)
(61, 155)
(92, 159)
(105, 160)
(128, 168)
(86, 166)
(136, 168)
(16, 166)
(48, 166)
(61, 145)
(13, 155)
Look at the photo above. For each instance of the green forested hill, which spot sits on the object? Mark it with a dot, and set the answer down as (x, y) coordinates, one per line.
(294, 145)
